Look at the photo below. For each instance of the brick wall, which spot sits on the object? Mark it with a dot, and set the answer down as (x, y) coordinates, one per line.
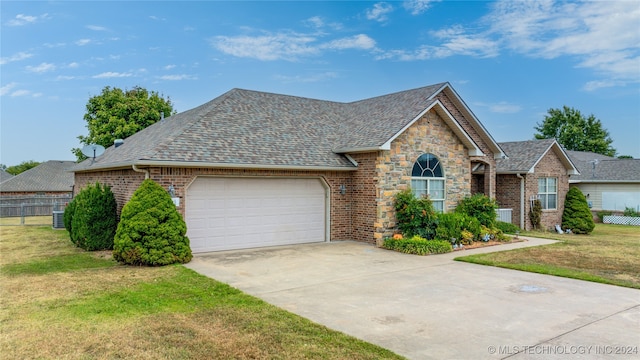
(508, 194)
(549, 166)
(124, 183)
(363, 197)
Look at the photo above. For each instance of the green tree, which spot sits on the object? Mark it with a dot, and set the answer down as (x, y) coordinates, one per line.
(118, 114)
(92, 218)
(576, 215)
(151, 231)
(574, 131)
(20, 168)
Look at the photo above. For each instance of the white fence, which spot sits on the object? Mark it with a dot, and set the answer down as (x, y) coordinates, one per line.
(621, 220)
(504, 215)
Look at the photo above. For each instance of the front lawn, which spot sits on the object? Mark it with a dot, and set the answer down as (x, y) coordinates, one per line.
(58, 301)
(610, 255)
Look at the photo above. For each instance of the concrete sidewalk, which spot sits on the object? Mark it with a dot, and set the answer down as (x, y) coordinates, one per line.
(431, 307)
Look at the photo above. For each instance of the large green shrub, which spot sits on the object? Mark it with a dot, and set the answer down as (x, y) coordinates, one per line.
(577, 216)
(481, 207)
(151, 231)
(415, 216)
(68, 215)
(451, 225)
(507, 228)
(93, 218)
(418, 245)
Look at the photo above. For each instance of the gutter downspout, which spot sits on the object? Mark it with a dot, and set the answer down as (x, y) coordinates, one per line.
(522, 207)
(146, 172)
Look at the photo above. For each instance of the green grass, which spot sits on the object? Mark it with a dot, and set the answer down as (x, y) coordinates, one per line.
(608, 255)
(61, 302)
(61, 263)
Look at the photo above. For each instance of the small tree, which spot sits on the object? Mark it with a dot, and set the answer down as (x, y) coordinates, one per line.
(93, 218)
(415, 216)
(151, 231)
(535, 215)
(481, 207)
(576, 215)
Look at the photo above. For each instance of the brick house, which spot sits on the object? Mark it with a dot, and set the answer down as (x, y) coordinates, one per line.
(534, 169)
(251, 169)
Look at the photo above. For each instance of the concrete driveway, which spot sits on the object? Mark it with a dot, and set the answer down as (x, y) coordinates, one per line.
(433, 307)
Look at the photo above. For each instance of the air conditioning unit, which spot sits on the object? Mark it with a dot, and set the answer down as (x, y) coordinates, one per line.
(58, 219)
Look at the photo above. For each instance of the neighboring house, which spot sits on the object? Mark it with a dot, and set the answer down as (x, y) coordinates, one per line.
(256, 169)
(4, 175)
(534, 169)
(608, 183)
(49, 178)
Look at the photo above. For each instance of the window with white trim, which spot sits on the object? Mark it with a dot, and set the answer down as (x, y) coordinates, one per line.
(427, 179)
(548, 192)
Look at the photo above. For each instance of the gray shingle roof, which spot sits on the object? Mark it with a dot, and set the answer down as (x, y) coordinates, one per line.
(600, 168)
(52, 175)
(522, 156)
(243, 128)
(5, 175)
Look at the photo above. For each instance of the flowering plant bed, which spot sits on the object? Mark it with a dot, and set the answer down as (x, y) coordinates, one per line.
(481, 244)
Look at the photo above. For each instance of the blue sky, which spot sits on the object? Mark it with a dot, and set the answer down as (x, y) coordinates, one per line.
(510, 61)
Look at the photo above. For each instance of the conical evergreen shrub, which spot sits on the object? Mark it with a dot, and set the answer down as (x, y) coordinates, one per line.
(577, 216)
(92, 218)
(151, 231)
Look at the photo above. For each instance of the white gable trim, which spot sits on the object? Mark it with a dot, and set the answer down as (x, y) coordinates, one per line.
(466, 140)
(564, 159)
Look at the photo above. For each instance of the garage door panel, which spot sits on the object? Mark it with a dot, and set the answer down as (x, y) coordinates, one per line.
(236, 213)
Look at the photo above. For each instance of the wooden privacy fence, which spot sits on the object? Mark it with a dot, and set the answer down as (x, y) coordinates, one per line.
(30, 206)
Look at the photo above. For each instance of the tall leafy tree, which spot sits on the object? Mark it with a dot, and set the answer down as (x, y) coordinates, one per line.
(20, 168)
(574, 131)
(118, 114)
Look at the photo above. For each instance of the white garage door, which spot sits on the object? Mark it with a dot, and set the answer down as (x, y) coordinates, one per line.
(239, 213)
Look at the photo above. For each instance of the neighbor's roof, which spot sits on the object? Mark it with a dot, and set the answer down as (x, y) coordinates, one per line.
(597, 168)
(252, 129)
(52, 175)
(523, 156)
(5, 175)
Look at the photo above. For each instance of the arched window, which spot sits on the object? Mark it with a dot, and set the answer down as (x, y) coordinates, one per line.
(427, 179)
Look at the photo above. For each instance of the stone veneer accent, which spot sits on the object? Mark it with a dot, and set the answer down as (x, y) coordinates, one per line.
(430, 134)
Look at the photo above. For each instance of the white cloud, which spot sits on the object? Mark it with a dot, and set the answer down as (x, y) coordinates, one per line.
(286, 46)
(417, 7)
(600, 35)
(22, 19)
(360, 41)
(307, 79)
(502, 107)
(111, 74)
(505, 108)
(379, 12)
(96, 28)
(169, 67)
(64, 77)
(5, 89)
(73, 65)
(267, 47)
(83, 42)
(42, 68)
(20, 93)
(16, 57)
(178, 77)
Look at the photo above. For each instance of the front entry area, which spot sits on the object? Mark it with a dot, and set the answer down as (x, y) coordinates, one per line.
(226, 213)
